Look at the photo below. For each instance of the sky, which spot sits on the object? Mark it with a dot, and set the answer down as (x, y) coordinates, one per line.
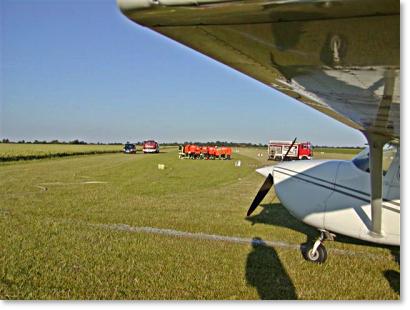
(74, 69)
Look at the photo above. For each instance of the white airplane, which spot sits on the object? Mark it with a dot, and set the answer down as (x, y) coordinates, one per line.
(341, 57)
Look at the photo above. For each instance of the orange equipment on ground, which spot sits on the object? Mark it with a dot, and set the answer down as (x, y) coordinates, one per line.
(204, 152)
(222, 152)
(225, 152)
(211, 152)
(197, 151)
(186, 148)
(193, 151)
(217, 152)
(228, 153)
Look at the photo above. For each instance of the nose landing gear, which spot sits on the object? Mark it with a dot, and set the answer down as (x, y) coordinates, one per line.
(317, 253)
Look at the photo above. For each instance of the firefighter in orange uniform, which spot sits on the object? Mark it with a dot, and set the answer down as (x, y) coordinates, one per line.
(211, 152)
(204, 152)
(228, 153)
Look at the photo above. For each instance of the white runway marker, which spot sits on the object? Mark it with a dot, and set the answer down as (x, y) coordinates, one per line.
(74, 183)
(232, 239)
(43, 188)
(202, 236)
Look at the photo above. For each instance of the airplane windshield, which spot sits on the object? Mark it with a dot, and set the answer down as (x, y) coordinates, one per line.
(389, 153)
(361, 160)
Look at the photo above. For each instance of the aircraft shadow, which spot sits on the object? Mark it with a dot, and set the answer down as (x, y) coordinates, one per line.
(276, 215)
(265, 271)
(393, 277)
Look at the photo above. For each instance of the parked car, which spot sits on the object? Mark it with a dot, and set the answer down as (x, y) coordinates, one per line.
(129, 148)
(150, 146)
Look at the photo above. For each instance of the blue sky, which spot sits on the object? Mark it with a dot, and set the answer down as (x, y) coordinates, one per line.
(81, 70)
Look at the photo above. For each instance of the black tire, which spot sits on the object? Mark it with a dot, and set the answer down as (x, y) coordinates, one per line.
(319, 257)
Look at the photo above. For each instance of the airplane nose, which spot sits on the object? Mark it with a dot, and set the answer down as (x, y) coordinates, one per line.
(304, 186)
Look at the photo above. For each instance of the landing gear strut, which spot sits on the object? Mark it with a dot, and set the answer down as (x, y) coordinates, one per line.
(317, 253)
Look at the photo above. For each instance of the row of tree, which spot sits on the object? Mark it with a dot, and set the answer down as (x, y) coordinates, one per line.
(76, 141)
(218, 143)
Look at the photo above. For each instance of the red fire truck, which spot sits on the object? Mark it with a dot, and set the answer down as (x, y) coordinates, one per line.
(300, 150)
(150, 146)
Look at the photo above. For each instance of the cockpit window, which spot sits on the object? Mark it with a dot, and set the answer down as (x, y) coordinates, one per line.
(361, 160)
(389, 152)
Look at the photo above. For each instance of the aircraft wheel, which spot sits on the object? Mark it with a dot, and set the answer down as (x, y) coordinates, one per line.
(319, 257)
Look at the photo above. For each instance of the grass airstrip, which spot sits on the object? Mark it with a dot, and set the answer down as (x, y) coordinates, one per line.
(20, 151)
(114, 226)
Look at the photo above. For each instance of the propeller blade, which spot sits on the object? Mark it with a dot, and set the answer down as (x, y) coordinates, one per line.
(266, 186)
(286, 155)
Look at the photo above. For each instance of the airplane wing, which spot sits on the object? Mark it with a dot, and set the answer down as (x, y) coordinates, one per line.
(265, 171)
(340, 57)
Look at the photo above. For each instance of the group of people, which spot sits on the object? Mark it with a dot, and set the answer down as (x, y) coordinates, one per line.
(193, 151)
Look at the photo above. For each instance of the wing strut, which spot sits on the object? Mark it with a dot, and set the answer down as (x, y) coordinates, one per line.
(376, 144)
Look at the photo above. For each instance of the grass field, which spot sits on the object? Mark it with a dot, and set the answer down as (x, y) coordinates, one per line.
(318, 153)
(17, 151)
(114, 226)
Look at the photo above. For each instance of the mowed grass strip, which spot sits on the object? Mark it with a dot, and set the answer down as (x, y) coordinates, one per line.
(54, 247)
(17, 151)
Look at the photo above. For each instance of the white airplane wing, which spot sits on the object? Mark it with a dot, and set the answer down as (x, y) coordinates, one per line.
(265, 171)
(341, 57)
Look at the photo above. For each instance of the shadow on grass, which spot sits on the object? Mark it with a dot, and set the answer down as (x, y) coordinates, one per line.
(265, 271)
(393, 277)
(276, 215)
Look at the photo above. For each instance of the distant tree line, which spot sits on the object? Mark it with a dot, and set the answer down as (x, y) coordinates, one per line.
(217, 143)
(76, 141)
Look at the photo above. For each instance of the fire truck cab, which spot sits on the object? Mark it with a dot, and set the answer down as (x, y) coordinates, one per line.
(150, 146)
(300, 150)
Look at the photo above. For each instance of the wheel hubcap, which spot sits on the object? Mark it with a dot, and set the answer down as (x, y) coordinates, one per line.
(314, 256)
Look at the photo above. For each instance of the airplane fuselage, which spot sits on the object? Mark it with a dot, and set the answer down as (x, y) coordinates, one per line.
(334, 195)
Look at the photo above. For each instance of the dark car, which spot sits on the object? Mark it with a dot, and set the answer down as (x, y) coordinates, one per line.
(129, 148)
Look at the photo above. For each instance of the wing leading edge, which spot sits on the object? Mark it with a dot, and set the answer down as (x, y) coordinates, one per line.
(341, 57)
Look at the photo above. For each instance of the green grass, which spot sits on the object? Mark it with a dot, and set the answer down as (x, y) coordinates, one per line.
(318, 153)
(54, 243)
(335, 153)
(16, 151)
(335, 150)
